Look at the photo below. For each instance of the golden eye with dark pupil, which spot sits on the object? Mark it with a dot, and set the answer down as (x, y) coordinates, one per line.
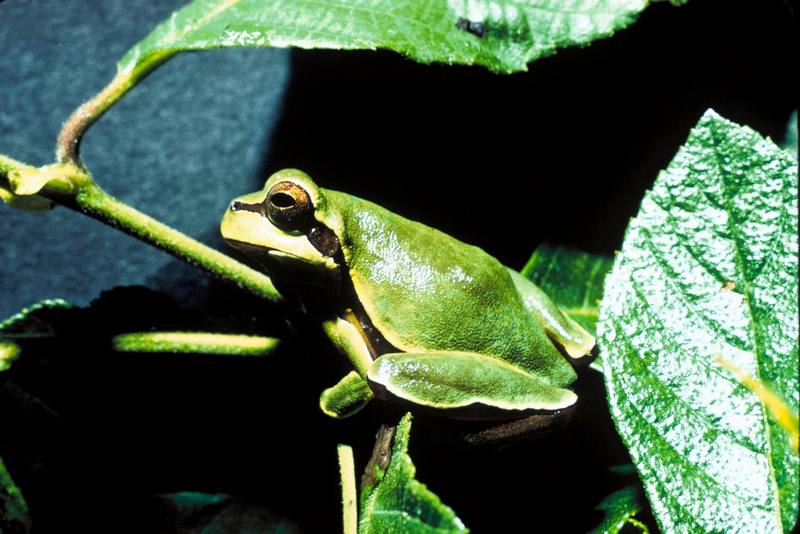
(289, 207)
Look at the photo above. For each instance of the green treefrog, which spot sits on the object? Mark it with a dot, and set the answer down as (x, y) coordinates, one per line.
(425, 319)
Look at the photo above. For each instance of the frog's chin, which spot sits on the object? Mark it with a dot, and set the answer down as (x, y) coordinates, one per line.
(262, 253)
(298, 270)
(318, 271)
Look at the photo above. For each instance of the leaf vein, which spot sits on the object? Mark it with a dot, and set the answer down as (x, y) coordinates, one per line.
(699, 410)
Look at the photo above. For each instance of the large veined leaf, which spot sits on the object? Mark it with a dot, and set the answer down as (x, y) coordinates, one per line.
(503, 35)
(708, 272)
(573, 279)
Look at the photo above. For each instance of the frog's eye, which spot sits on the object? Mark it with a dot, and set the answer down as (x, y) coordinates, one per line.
(289, 207)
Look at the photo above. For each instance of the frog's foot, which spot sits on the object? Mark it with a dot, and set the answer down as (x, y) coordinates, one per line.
(347, 397)
(574, 342)
(464, 385)
(529, 427)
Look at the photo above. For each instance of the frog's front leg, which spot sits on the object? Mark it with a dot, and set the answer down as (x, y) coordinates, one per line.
(352, 392)
(347, 397)
(464, 385)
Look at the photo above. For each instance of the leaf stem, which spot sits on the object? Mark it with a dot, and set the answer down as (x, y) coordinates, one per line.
(638, 524)
(72, 186)
(69, 139)
(98, 204)
(194, 343)
(347, 473)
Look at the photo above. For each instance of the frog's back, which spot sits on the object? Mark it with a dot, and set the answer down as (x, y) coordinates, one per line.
(427, 291)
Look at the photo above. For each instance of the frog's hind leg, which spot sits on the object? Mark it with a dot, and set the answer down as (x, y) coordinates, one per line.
(528, 427)
(465, 385)
(575, 342)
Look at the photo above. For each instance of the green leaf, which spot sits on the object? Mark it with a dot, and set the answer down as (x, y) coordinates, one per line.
(620, 507)
(13, 509)
(502, 35)
(9, 352)
(790, 139)
(393, 501)
(33, 321)
(573, 279)
(708, 270)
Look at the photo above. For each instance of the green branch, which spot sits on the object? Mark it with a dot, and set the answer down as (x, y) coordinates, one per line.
(70, 185)
(194, 343)
(349, 495)
(69, 139)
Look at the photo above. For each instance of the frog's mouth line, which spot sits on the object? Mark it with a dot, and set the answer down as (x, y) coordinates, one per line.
(261, 252)
(256, 251)
(267, 257)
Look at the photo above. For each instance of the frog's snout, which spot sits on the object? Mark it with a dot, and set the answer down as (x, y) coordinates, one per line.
(238, 205)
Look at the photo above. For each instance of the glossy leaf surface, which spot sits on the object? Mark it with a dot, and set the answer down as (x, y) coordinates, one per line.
(708, 270)
(503, 35)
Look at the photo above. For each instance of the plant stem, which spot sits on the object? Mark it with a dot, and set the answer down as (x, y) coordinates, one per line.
(69, 139)
(347, 474)
(73, 187)
(194, 343)
(98, 204)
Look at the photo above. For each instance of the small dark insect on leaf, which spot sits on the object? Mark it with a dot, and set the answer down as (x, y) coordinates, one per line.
(477, 28)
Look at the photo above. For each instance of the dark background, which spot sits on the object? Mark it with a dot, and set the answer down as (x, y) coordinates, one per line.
(561, 153)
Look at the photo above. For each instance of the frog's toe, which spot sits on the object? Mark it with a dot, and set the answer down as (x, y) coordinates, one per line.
(347, 397)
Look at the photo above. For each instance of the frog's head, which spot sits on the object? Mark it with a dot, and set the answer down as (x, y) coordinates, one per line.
(284, 228)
